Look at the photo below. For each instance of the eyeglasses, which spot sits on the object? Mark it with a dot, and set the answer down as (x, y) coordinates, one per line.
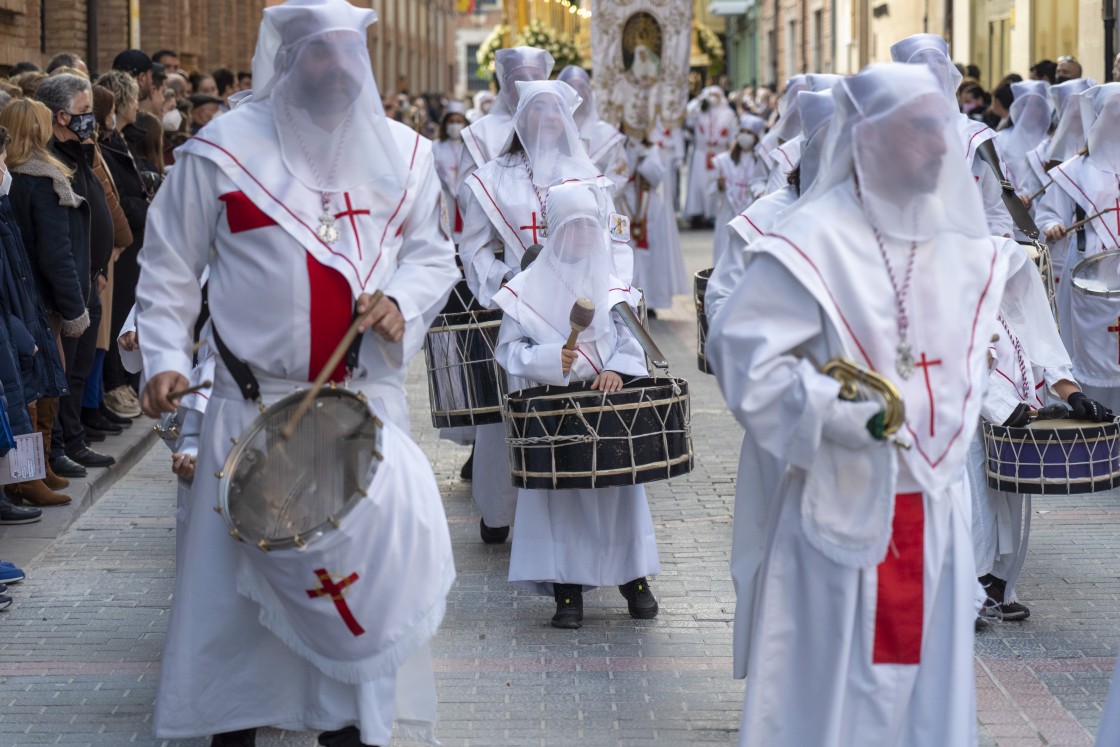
(1067, 58)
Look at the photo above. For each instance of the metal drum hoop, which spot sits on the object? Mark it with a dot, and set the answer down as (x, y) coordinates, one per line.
(1089, 436)
(1088, 262)
(475, 320)
(699, 294)
(285, 406)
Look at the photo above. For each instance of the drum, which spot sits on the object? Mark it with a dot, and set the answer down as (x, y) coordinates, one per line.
(1040, 254)
(700, 288)
(279, 493)
(461, 299)
(464, 380)
(1053, 457)
(572, 437)
(1099, 275)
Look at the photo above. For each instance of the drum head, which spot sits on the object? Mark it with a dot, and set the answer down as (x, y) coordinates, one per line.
(278, 493)
(1099, 275)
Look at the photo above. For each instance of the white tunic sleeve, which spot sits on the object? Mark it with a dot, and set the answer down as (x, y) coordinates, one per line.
(726, 274)
(761, 347)
(628, 359)
(1054, 208)
(521, 357)
(182, 222)
(478, 247)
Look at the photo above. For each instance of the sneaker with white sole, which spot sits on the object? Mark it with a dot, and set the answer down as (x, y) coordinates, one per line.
(122, 402)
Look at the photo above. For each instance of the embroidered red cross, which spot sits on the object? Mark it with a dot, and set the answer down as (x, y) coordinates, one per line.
(350, 212)
(336, 590)
(1116, 329)
(925, 364)
(533, 227)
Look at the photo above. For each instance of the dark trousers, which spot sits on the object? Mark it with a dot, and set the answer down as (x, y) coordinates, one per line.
(80, 353)
(126, 274)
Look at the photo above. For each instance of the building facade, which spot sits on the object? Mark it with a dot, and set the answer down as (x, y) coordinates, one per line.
(999, 36)
(411, 47)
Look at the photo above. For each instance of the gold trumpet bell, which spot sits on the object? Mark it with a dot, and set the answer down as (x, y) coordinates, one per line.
(853, 377)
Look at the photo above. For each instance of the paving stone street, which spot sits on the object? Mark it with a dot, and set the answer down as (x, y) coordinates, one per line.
(80, 650)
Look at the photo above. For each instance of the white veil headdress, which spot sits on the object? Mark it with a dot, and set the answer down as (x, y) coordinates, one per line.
(1100, 113)
(894, 131)
(1031, 116)
(312, 66)
(548, 133)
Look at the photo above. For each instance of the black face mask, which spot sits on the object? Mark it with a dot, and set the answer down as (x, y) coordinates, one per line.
(1061, 79)
(82, 125)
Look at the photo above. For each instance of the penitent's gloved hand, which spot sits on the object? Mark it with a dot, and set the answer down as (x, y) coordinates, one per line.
(849, 424)
(1088, 409)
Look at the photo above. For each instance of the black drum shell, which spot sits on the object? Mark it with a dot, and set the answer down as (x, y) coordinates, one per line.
(657, 418)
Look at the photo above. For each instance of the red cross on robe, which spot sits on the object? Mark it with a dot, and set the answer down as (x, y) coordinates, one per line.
(924, 364)
(532, 227)
(1116, 329)
(351, 213)
(336, 590)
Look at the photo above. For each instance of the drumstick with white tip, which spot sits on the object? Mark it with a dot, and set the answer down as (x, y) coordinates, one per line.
(328, 369)
(583, 313)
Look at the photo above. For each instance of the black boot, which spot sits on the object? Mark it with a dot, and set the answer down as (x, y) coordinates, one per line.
(492, 535)
(569, 606)
(348, 736)
(639, 599)
(467, 472)
(243, 738)
(995, 608)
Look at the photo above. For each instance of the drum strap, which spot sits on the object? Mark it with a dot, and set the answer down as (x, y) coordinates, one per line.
(1019, 215)
(1078, 216)
(203, 317)
(238, 369)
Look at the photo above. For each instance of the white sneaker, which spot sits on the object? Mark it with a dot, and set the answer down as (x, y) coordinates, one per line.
(122, 402)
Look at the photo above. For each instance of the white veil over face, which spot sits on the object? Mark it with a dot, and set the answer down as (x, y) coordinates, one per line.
(817, 108)
(1031, 116)
(580, 81)
(896, 134)
(789, 120)
(1100, 112)
(574, 263)
(518, 64)
(548, 133)
(933, 52)
(311, 65)
(1069, 138)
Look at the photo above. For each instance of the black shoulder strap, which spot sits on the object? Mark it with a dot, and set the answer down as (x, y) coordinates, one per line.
(1078, 216)
(239, 369)
(1019, 215)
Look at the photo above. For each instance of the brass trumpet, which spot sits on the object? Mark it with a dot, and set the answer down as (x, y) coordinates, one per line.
(852, 376)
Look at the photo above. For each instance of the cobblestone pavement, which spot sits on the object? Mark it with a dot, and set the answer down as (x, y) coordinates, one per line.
(80, 656)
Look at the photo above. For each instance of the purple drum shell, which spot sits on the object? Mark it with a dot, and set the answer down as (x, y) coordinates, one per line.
(1055, 461)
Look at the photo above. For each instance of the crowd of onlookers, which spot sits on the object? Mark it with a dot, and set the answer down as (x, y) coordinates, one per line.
(81, 157)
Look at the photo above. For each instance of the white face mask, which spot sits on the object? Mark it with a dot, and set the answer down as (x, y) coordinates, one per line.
(113, 122)
(5, 183)
(455, 131)
(747, 140)
(172, 120)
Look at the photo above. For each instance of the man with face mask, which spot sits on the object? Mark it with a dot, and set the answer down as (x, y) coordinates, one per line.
(742, 178)
(486, 137)
(1068, 69)
(302, 202)
(860, 598)
(933, 52)
(70, 100)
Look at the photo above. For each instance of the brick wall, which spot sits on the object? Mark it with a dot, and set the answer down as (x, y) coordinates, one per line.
(414, 38)
(794, 37)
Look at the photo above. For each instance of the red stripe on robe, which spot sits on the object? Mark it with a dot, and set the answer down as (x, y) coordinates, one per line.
(901, 594)
(332, 310)
(458, 219)
(242, 214)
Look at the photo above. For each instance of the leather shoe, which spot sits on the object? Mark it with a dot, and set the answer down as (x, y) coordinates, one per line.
(15, 515)
(492, 535)
(348, 736)
(55, 482)
(93, 435)
(114, 418)
(87, 457)
(242, 738)
(64, 466)
(92, 418)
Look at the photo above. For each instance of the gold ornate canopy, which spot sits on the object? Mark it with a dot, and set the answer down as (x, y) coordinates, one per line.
(640, 58)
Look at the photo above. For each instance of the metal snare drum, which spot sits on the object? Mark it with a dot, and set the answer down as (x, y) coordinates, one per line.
(279, 493)
(699, 290)
(572, 437)
(1098, 275)
(1053, 457)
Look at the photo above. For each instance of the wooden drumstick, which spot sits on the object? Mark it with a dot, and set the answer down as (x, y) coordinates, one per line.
(530, 255)
(1041, 189)
(583, 313)
(1091, 218)
(332, 364)
(190, 390)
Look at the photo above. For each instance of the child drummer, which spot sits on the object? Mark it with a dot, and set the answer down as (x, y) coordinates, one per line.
(568, 541)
